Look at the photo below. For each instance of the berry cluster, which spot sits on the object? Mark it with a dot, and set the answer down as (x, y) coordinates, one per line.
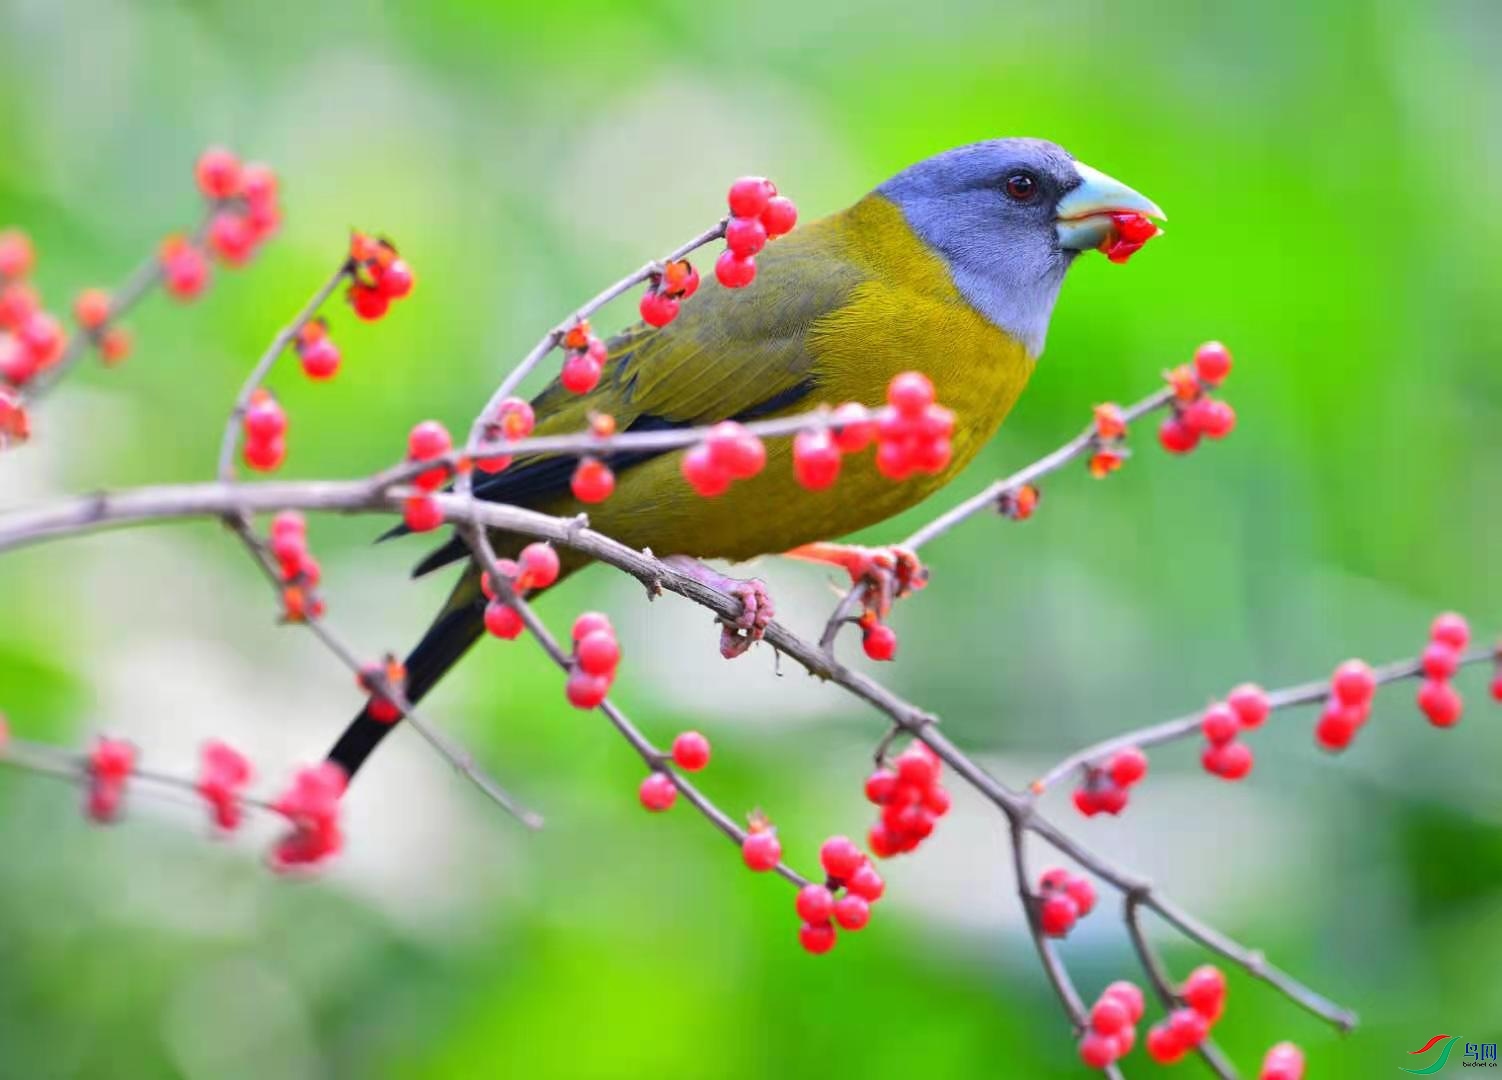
(1113, 1025)
(427, 441)
(666, 290)
(1437, 698)
(1063, 899)
(377, 276)
(316, 350)
(690, 753)
(245, 215)
(91, 310)
(729, 452)
(851, 887)
(1195, 412)
(597, 654)
(31, 339)
(757, 214)
(536, 568)
(1283, 1062)
(265, 428)
(384, 680)
(911, 799)
(1110, 432)
(583, 360)
(1348, 706)
(1225, 755)
(222, 777)
(311, 804)
(1104, 789)
(1204, 997)
(300, 572)
(513, 420)
(109, 765)
(912, 435)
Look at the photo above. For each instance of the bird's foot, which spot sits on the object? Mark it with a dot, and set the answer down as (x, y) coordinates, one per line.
(757, 611)
(884, 573)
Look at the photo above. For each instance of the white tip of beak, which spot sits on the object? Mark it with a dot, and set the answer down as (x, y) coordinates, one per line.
(1102, 194)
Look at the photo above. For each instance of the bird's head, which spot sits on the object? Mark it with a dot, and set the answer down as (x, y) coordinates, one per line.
(1009, 216)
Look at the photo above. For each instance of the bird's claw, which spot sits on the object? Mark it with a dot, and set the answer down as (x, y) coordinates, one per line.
(885, 574)
(751, 625)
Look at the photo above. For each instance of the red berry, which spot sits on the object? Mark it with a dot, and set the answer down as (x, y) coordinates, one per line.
(588, 623)
(1212, 362)
(580, 373)
(840, 857)
(428, 440)
(706, 476)
(1098, 1051)
(1205, 991)
(879, 786)
(1284, 1061)
(657, 792)
(114, 345)
(1188, 1027)
(780, 216)
(761, 850)
(1058, 914)
(733, 448)
(586, 691)
(657, 308)
(43, 337)
(1163, 1045)
(882, 841)
(422, 513)
(1440, 702)
(16, 255)
(598, 653)
(264, 455)
(1497, 687)
(592, 481)
(917, 768)
(691, 751)
(1353, 683)
(320, 359)
(852, 912)
(910, 393)
(185, 271)
(1249, 702)
(1231, 761)
(218, 173)
(368, 301)
(396, 280)
(1440, 661)
(1082, 893)
(1337, 726)
(1451, 629)
(1220, 724)
(111, 760)
(851, 429)
(1109, 1015)
(539, 566)
(815, 903)
(879, 641)
(816, 938)
(816, 459)
(1130, 996)
(1211, 416)
(735, 271)
(745, 236)
(866, 883)
(92, 308)
(749, 196)
(1127, 767)
(1176, 436)
(231, 238)
(503, 621)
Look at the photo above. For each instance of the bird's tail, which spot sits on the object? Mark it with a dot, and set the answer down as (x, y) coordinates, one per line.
(458, 625)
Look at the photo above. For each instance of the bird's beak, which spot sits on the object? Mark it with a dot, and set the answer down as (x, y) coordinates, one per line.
(1084, 219)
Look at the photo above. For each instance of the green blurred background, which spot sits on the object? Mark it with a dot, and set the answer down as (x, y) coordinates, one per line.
(1332, 181)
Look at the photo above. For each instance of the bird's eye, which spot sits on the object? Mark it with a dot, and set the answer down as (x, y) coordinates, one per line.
(1022, 186)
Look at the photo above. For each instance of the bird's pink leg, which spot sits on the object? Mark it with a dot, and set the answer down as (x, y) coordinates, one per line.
(756, 603)
(886, 572)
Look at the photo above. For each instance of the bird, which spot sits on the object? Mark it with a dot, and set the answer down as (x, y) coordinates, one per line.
(951, 268)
